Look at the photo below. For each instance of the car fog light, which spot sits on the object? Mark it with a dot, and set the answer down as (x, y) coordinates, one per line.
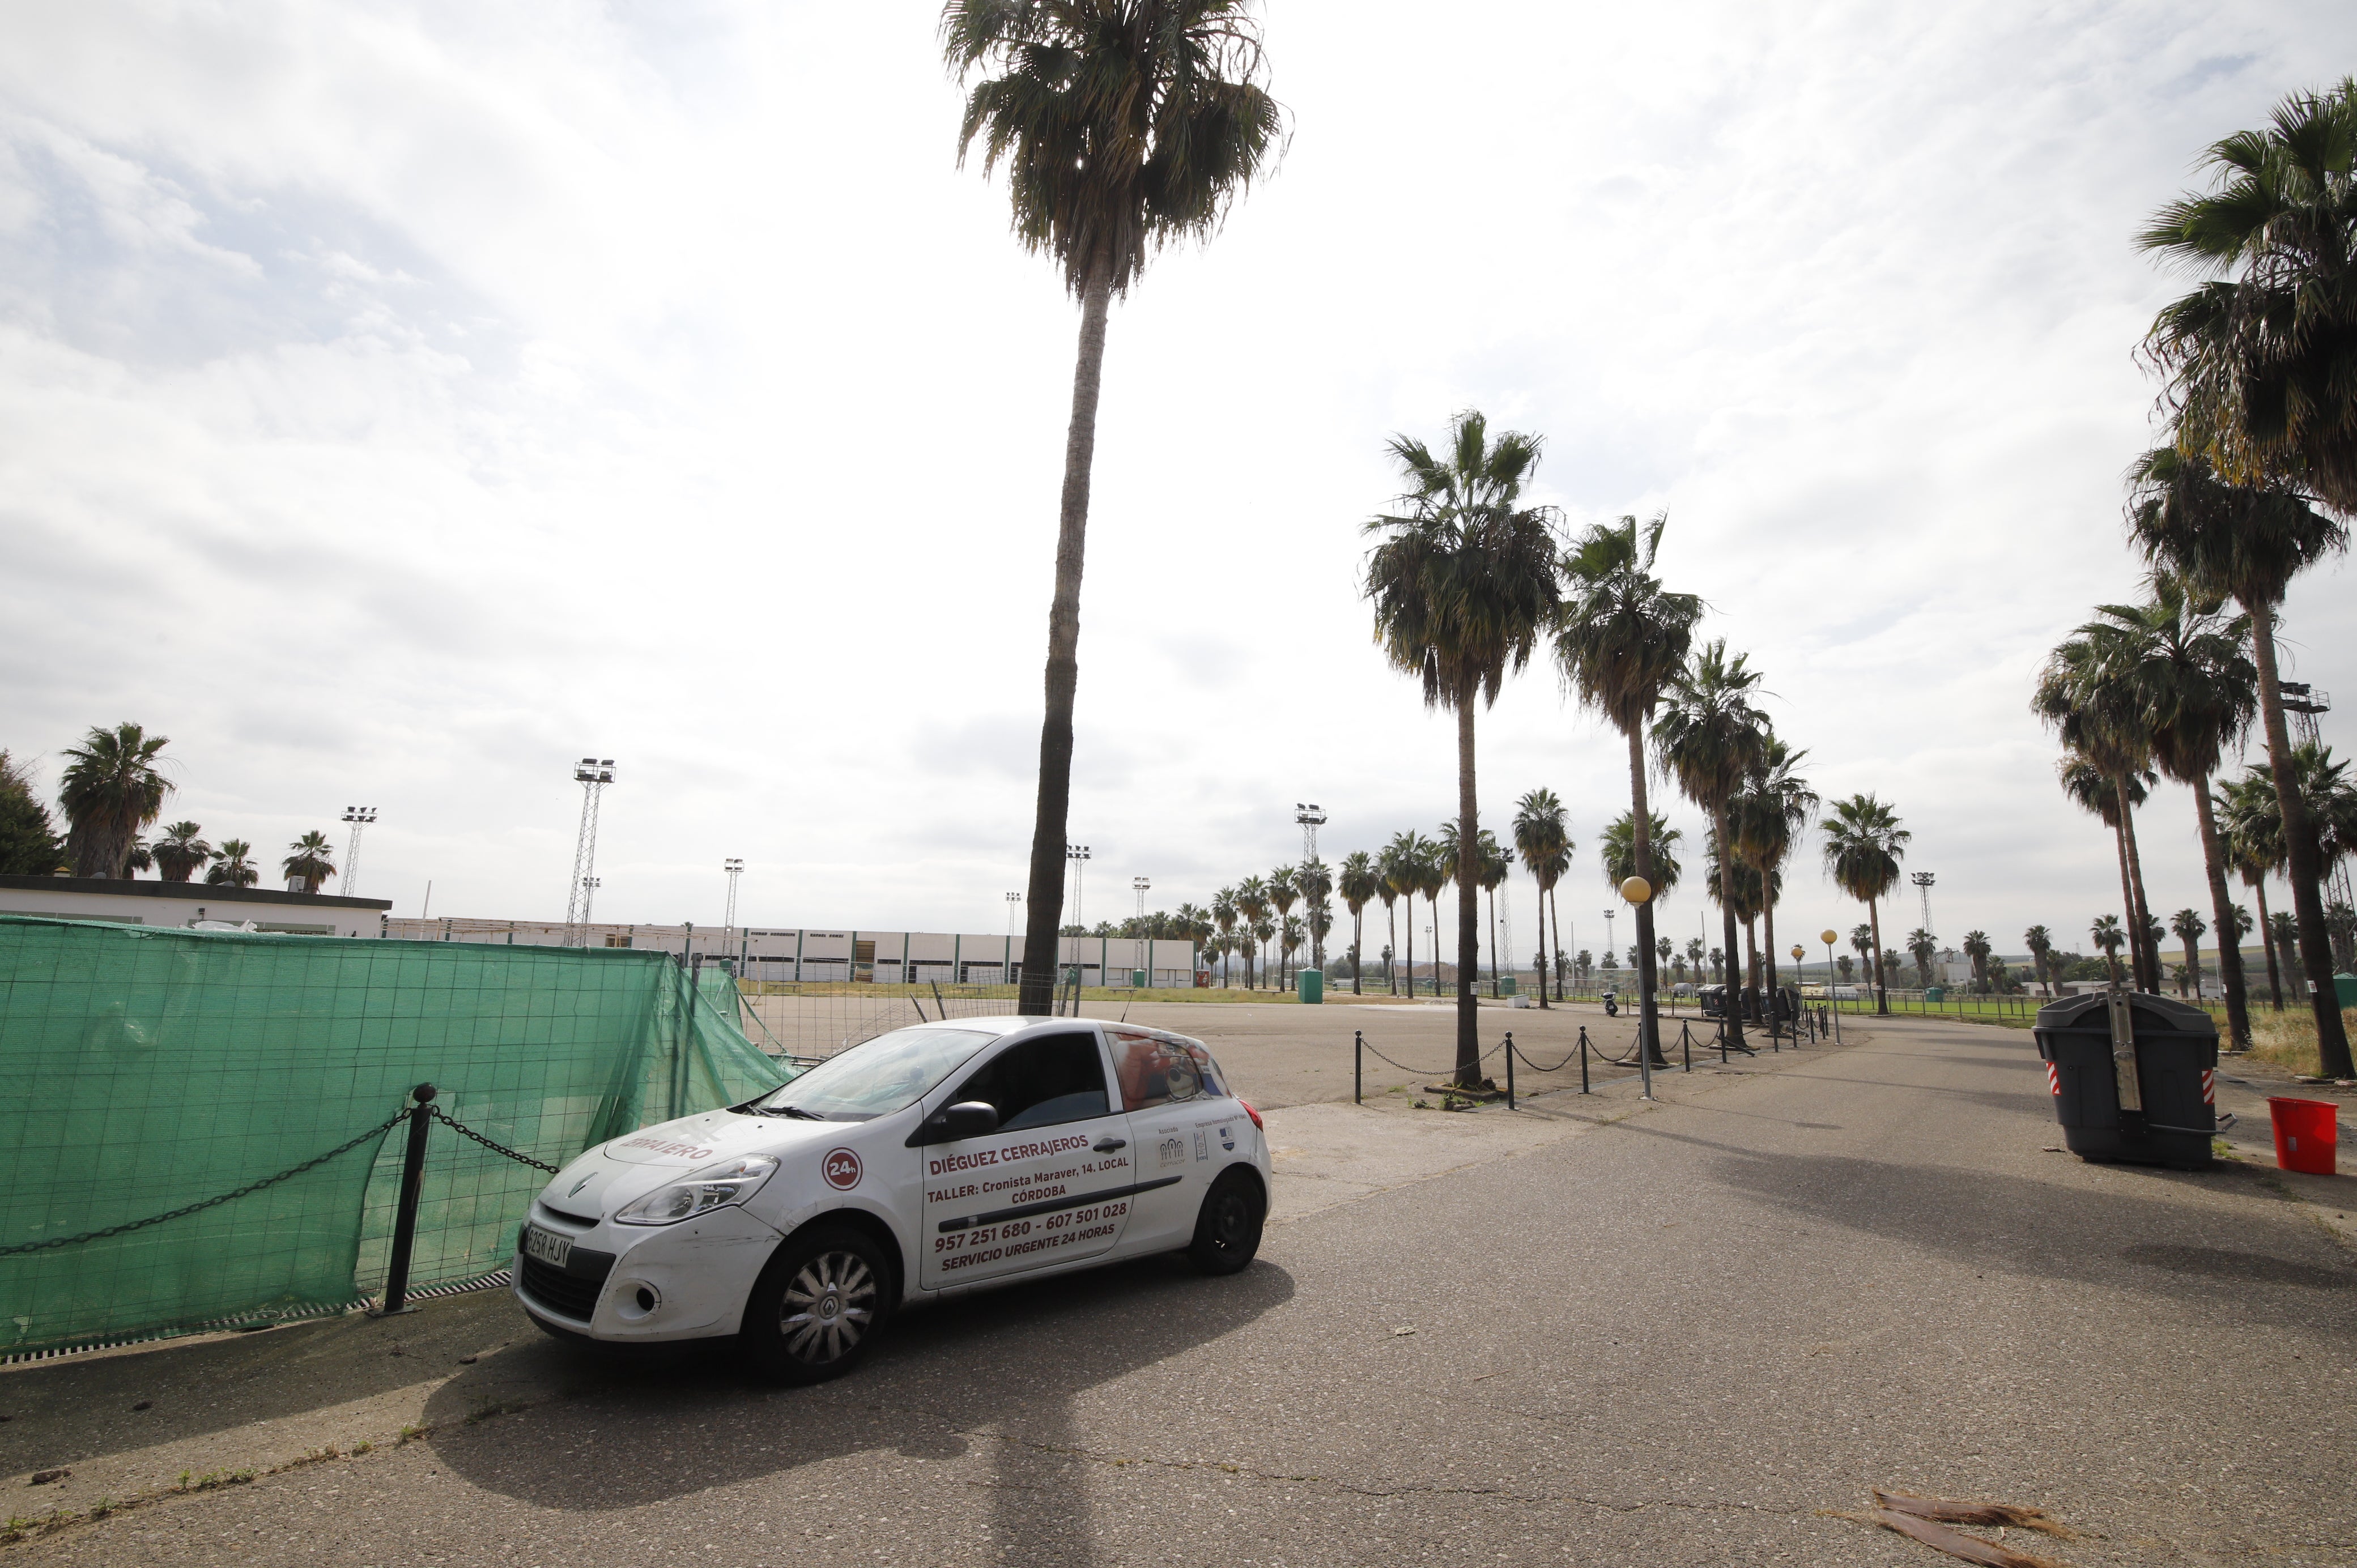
(647, 1298)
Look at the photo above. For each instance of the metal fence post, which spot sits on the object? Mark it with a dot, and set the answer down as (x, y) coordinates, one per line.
(1358, 1067)
(404, 1218)
(1583, 1058)
(1510, 1070)
(1686, 1044)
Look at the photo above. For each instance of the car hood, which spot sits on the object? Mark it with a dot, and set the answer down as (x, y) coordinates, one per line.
(604, 1178)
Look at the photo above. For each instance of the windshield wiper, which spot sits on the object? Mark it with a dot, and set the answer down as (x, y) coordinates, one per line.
(794, 1110)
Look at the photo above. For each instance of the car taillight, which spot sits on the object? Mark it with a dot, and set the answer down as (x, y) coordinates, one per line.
(1253, 1114)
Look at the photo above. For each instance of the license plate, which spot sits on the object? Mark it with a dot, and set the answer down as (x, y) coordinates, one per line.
(547, 1246)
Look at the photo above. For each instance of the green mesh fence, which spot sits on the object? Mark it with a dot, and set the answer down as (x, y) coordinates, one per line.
(144, 1070)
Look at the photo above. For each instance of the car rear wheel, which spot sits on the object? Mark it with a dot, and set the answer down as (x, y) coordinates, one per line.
(815, 1311)
(1227, 1231)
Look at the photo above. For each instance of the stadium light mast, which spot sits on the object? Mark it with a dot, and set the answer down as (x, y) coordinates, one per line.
(1138, 885)
(1077, 854)
(732, 868)
(1311, 818)
(1922, 880)
(1013, 911)
(592, 774)
(360, 817)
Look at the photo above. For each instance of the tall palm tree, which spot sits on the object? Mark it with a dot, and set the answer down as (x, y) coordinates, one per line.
(1263, 932)
(1543, 839)
(2182, 667)
(180, 851)
(1711, 738)
(2101, 722)
(2253, 823)
(232, 865)
(1921, 945)
(2189, 925)
(2110, 936)
(1394, 880)
(1618, 849)
(2251, 541)
(1434, 876)
(2260, 360)
(1978, 949)
(112, 791)
(2097, 792)
(308, 860)
(1253, 904)
(1862, 938)
(1359, 886)
(1223, 914)
(2285, 934)
(1463, 582)
(1863, 845)
(1621, 639)
(1123, 126)
(1315, 879)
(1497, 864)
(2040, 943)
(1283, 891)
(1773, 811)
(1291, 932)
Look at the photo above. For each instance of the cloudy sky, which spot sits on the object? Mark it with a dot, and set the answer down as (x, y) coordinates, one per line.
(399, 402)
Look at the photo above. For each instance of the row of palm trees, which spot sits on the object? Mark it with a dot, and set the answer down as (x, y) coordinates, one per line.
(1467, 582)
(113, 790)
(2258, 363)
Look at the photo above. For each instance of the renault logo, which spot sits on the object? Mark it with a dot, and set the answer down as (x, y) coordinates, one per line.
(579, 1185)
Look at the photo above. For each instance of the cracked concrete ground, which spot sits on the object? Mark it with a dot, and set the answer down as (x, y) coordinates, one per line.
(1592, 1331)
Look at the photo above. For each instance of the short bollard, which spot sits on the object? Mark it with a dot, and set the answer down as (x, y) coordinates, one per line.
(1510, 1070)
(1583, 1058)
(1686, 1044)
(404, 1218)
(1358, 1060)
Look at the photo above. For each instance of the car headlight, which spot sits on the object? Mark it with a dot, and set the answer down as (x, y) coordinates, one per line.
(700, 1191)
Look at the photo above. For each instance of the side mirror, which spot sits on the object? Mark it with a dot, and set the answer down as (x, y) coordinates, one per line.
(966, 1119)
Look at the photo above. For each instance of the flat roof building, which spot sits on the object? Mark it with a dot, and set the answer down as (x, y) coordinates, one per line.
(186, 904)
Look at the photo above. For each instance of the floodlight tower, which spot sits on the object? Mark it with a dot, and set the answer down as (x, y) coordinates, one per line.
(1013, 911)
(1077, 854)
(589, 886)
(1311, 818)
(592, 774)
(1138, 885)
(360, 817)
(733, 869)
(1922, 881)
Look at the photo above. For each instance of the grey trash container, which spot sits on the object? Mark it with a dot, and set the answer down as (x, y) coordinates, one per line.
(2150, 1099)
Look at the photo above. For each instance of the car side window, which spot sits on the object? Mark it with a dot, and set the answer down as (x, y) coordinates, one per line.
(1156, 1071)
(1040, 1082)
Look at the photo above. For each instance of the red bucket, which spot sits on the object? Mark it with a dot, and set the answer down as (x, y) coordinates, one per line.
(2305, 1136)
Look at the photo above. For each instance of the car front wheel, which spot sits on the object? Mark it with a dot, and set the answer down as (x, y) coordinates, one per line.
(816, 1310)
(1227, 1231)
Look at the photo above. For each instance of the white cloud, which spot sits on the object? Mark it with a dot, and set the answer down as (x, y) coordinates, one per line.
(405, 403)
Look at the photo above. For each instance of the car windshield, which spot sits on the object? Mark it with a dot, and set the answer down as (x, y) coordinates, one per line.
(877, 1077)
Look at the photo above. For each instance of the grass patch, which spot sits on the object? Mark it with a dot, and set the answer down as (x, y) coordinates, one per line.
(2289, 1039)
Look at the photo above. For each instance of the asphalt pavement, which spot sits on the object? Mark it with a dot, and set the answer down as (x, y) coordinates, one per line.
(1593, 1330)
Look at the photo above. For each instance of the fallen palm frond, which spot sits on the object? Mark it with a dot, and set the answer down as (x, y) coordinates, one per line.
(1947, 1510)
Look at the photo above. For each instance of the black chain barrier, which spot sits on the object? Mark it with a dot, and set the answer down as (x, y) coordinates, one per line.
(466, 1132)
(251, 1187)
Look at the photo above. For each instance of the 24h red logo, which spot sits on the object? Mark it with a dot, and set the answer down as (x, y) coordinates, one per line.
(841, 1168)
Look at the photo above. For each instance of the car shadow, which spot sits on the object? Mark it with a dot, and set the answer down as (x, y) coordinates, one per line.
(571, 1427)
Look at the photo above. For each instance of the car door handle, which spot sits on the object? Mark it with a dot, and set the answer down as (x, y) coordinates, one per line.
(1107, 1145)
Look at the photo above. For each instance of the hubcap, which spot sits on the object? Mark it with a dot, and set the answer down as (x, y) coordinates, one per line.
(827, 1308)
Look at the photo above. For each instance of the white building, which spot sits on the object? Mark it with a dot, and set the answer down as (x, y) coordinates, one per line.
(185, 904)
(901, 958)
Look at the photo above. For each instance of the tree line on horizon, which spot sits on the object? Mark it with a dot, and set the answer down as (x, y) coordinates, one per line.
(111, 791)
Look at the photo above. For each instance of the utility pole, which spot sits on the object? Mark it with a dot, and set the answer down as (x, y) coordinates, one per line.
(592, 774)
(360, 817)
(733, 869)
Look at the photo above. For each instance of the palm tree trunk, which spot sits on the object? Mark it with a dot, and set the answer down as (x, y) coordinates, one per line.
(2140, 943)
(1641, 861)
(2127, 883)
(1542, 942)
(1045, 912)
(1767, 928)
(1556, 956)
(2305, 875)
(1733, 1012)
(1882, 983)
(2230, 945)
(1469, 899)
(2266, 944)
(1410, 900)
(1358, 949)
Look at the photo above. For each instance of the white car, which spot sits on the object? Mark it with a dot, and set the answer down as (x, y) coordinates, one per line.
(926, 1162)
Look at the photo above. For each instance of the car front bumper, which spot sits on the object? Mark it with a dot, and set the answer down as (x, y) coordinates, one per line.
(644, 1284)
